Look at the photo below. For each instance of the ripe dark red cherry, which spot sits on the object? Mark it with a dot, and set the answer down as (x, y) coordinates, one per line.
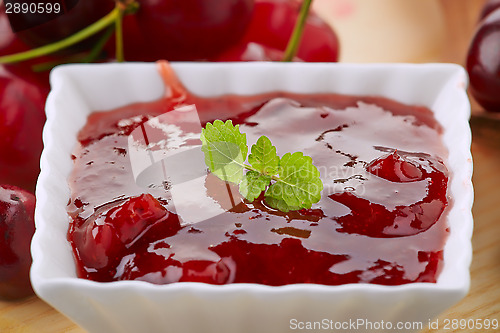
(483, 62)
(184, 30)
(270, 29)
(21, 121)
(17, 209)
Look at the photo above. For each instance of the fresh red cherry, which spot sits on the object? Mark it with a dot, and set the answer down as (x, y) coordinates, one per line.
(488, 7)
(269, 31)
(38, 29)
(483, 62)
(183, 30)
(22, 118)
(17, 209)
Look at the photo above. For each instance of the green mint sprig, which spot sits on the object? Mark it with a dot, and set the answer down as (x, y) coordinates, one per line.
(291, 182)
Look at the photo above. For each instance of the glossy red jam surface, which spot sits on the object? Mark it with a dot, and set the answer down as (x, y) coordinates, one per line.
(381, 218)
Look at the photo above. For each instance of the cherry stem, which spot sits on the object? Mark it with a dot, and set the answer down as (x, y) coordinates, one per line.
(64, 43)
(97, 49)
(294, 42)
(80, 58)
(115, 16)
(119, 53)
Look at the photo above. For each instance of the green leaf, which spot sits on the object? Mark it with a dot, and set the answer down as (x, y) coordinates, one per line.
(225, 149)
(279, 204)
(253, 184)
(263, 157)
(298, 185)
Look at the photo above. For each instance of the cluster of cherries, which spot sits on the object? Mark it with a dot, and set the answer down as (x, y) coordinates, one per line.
(205, 30)
(483, 60)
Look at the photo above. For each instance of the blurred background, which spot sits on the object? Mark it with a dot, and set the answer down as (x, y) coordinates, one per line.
(402, 31)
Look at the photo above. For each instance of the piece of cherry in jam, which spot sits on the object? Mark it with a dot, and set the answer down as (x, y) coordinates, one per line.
(375, 220)
(103, 239)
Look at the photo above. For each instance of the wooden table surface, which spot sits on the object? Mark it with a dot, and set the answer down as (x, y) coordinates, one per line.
(349, 17)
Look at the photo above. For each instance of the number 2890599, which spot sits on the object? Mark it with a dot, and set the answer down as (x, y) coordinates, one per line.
(32, 8)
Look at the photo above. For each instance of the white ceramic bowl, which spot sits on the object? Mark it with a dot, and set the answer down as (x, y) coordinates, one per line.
(134, 306)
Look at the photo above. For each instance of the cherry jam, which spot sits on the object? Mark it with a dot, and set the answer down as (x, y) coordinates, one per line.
(381, 218)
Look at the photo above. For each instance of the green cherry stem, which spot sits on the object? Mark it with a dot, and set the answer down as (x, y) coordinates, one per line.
(119, 53)
(294, 42)
(114, 17)
(97, 49)
(64, 43)
(80, 58)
